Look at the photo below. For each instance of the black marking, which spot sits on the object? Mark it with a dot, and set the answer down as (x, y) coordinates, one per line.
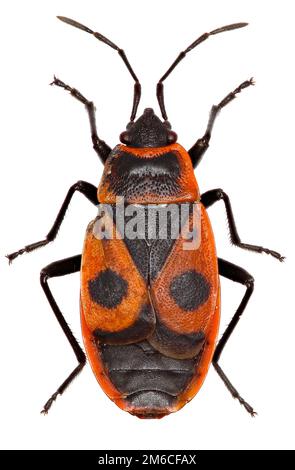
(172, 382)
(150, 253)
(128, 164)
(142, 356)
(149, 258)
(137, 368)
(190, 290)
(142, 328)
(130, 176)
(179, 346)
(108, 289)
(159, 253)
(139, 252)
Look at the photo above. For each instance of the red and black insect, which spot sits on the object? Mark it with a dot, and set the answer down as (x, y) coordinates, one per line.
(149, 308)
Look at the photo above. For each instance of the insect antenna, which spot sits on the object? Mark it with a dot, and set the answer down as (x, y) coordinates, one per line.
(160, 85)
(100, 37)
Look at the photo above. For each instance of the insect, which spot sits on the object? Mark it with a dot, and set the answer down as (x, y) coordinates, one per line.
(150, 307)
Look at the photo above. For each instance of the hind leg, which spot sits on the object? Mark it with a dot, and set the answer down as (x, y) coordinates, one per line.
(62, 268)
(236, 274)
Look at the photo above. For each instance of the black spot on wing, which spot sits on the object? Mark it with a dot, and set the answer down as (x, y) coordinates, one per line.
(189, 290)
(108, 289)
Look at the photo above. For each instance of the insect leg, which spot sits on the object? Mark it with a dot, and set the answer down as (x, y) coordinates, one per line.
(236, 274)
(199, 148)
(62, 268)
(101, 148)
(214, 195)
(87, 189)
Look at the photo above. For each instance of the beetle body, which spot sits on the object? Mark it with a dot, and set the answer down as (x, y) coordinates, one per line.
(150, 294)
(149, 308)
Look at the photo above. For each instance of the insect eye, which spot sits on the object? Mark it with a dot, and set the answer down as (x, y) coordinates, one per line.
(172, 137)
(125, 138)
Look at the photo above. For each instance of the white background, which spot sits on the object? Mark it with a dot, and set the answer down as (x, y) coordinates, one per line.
(45, 148)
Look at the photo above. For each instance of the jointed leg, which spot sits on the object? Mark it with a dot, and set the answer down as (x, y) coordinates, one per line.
(61, 268)
(101, 148)
(214, 195)
(236, 274)
(83, 187)
(200, 147)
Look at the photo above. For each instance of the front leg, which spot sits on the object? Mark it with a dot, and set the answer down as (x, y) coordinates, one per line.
(214, 195)
(199, 148)
(101, 148)
(87, 189)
